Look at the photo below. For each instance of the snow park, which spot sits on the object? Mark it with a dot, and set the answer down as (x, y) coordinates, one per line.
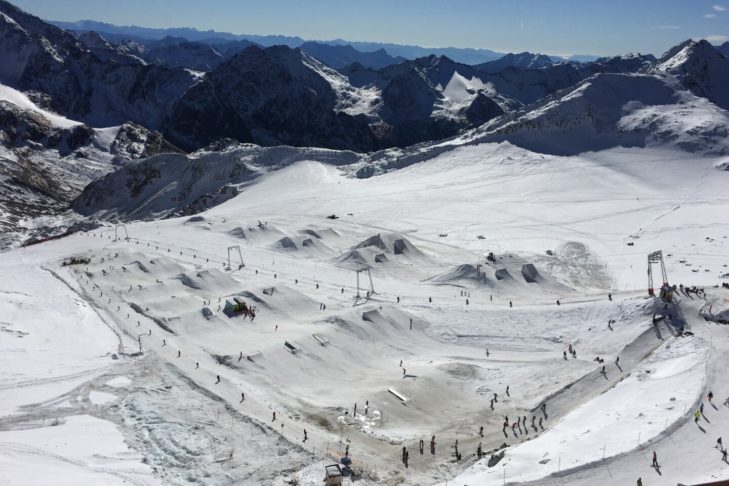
(254, 260)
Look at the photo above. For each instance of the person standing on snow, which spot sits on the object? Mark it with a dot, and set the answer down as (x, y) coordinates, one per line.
(655, 460)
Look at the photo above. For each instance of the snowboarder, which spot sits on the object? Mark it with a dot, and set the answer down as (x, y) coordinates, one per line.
(655, 460)
(510, 304)
(197, 364)
(558, 303)
(718, 444)
(432, 445)
(218, 379)
(507, 391)
(306, 437)
(710, 396)
(540, 423)
(480, 431)
(274, 417)
(610, 297)
(564, 355)
(179, 353)
(697, 416)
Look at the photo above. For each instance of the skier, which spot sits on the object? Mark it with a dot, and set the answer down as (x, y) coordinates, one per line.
(421, 446)
(564, 355)
(510, 304)
(179, 353)
(242, 397)
(655, 460)
(197, 364)
(432, 445)
(697, 416)
(306, 437)
(718, 444)
(492, 404)
(507, 391)
(480, 431)
(610, 297)
(710, 396)
(218, 379)
(274, 417)
(701, 408)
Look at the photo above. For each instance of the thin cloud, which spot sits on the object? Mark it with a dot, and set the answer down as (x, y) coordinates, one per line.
(666, 27)
(719, 8)
(710, 16)
(717, 39)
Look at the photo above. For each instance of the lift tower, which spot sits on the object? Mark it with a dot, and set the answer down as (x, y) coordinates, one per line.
(666, 291)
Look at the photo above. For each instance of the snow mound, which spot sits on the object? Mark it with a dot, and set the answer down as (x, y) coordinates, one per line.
(285, 244)
(466, 273)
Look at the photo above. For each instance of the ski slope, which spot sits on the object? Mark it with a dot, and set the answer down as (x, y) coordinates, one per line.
(426, 351)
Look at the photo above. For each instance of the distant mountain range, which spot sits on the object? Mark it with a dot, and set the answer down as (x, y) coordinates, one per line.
(118, 33)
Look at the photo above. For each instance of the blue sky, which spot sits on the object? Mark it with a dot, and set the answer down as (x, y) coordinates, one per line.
(600, 27)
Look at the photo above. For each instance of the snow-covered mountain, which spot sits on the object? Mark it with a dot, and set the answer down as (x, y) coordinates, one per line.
(46, 160)
(608, 110)
(700, 68)
(279, 95)
(64, 74)
(524, 60)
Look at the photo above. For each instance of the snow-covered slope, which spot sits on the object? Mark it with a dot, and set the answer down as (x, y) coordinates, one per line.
(412, 355)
